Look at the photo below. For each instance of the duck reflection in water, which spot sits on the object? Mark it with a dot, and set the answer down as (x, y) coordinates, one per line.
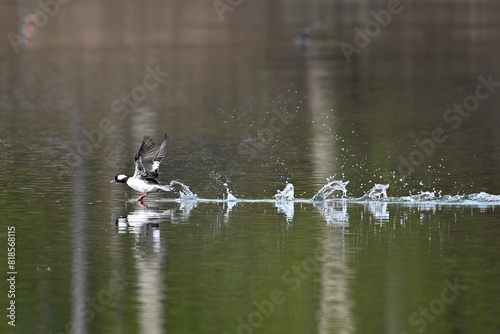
(150, 262)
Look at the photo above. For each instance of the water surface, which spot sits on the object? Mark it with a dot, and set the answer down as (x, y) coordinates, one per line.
(248, 113)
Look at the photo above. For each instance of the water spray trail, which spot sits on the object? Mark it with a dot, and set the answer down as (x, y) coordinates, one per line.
(379, 190)
(378, 194)
(287, 194)
(185, 193)
(229, 196)
(329, 188)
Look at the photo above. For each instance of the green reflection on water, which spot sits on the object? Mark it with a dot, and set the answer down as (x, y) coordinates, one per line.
(346, 268)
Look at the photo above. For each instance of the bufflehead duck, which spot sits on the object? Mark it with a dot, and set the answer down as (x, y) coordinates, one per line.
(147, 162)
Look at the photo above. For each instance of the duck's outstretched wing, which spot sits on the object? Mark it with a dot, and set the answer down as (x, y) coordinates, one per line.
(148, 160)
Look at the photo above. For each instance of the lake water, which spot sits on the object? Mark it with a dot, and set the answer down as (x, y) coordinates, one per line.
(334, 99)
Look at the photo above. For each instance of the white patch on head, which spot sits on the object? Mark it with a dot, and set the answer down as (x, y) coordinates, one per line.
(121, 177)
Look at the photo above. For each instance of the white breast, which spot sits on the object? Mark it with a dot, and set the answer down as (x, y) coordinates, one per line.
(139, 185)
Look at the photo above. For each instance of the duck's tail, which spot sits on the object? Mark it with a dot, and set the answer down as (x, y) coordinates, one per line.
(165, 188)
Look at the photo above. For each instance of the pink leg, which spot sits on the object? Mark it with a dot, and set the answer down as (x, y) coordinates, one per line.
(142, 197)
(144, 206)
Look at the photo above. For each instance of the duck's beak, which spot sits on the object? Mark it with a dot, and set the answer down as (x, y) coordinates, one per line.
(112, 181)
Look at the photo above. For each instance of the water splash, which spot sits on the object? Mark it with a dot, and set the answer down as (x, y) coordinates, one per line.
(427, 196)
(329, 188)
(287, 194)
(185, 193)
(377, 194)
(423, 196)
(229, 197)
(379, 190)
(483, 197)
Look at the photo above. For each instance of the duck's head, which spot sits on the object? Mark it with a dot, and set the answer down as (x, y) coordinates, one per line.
(120, 178)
